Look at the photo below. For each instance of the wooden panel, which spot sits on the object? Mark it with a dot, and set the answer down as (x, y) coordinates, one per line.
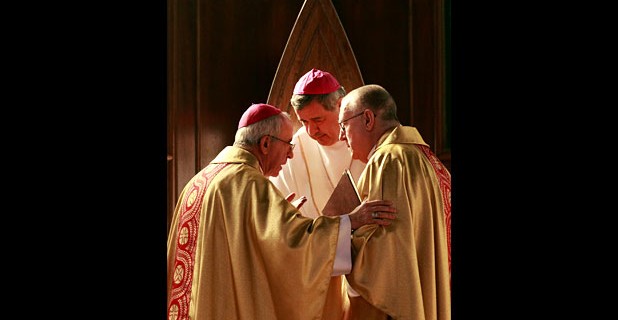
(240, 44)
(317, 40)
(379, 33)
(182, 106)
(400, 45)
(426, 78)
(222, 56)
(225, 55)
(429, 80)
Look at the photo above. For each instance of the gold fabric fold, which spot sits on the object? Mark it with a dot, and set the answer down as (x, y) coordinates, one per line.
(403, 269)
(237, 249)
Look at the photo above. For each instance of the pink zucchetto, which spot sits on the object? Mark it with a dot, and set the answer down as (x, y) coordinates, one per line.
(257, 112)
(316, 82)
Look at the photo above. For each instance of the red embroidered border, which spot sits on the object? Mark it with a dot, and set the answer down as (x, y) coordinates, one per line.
(444, 179)
(186, 241)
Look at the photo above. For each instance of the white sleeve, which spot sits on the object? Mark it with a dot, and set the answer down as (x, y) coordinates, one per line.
(343, 256)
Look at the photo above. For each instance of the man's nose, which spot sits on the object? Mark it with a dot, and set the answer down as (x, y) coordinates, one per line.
(312, 128)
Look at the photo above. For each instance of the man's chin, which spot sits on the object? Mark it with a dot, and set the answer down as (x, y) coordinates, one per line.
(325, 141)
(272, 173)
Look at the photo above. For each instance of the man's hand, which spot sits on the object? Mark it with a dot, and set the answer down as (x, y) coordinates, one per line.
(298, 202)
(373, 211)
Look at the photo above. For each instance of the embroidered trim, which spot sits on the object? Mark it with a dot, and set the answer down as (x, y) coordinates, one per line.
(444, 179)
(186, 242)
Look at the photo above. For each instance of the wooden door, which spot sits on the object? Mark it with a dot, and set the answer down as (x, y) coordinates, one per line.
(317, 40)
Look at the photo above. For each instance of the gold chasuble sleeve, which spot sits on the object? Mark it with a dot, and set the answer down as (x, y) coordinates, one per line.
(403, 269)
(254, 255)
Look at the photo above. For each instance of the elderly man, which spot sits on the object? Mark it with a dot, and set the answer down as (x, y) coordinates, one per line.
(401, 271)
(238, 249)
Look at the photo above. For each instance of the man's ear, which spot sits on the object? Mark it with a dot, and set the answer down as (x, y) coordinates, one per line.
(370, 119)
(264, 143)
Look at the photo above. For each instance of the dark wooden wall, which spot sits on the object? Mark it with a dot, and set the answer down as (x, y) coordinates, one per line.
(223, 55)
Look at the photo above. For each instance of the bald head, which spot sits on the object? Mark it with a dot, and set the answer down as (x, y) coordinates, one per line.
(365, 114)
(373, 97)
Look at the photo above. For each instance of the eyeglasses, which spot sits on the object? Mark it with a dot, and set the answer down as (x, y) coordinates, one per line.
(352, 117)
(291, 144)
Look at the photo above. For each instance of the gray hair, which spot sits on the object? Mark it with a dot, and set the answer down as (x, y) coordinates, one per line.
(250, 135)
(328, 100)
